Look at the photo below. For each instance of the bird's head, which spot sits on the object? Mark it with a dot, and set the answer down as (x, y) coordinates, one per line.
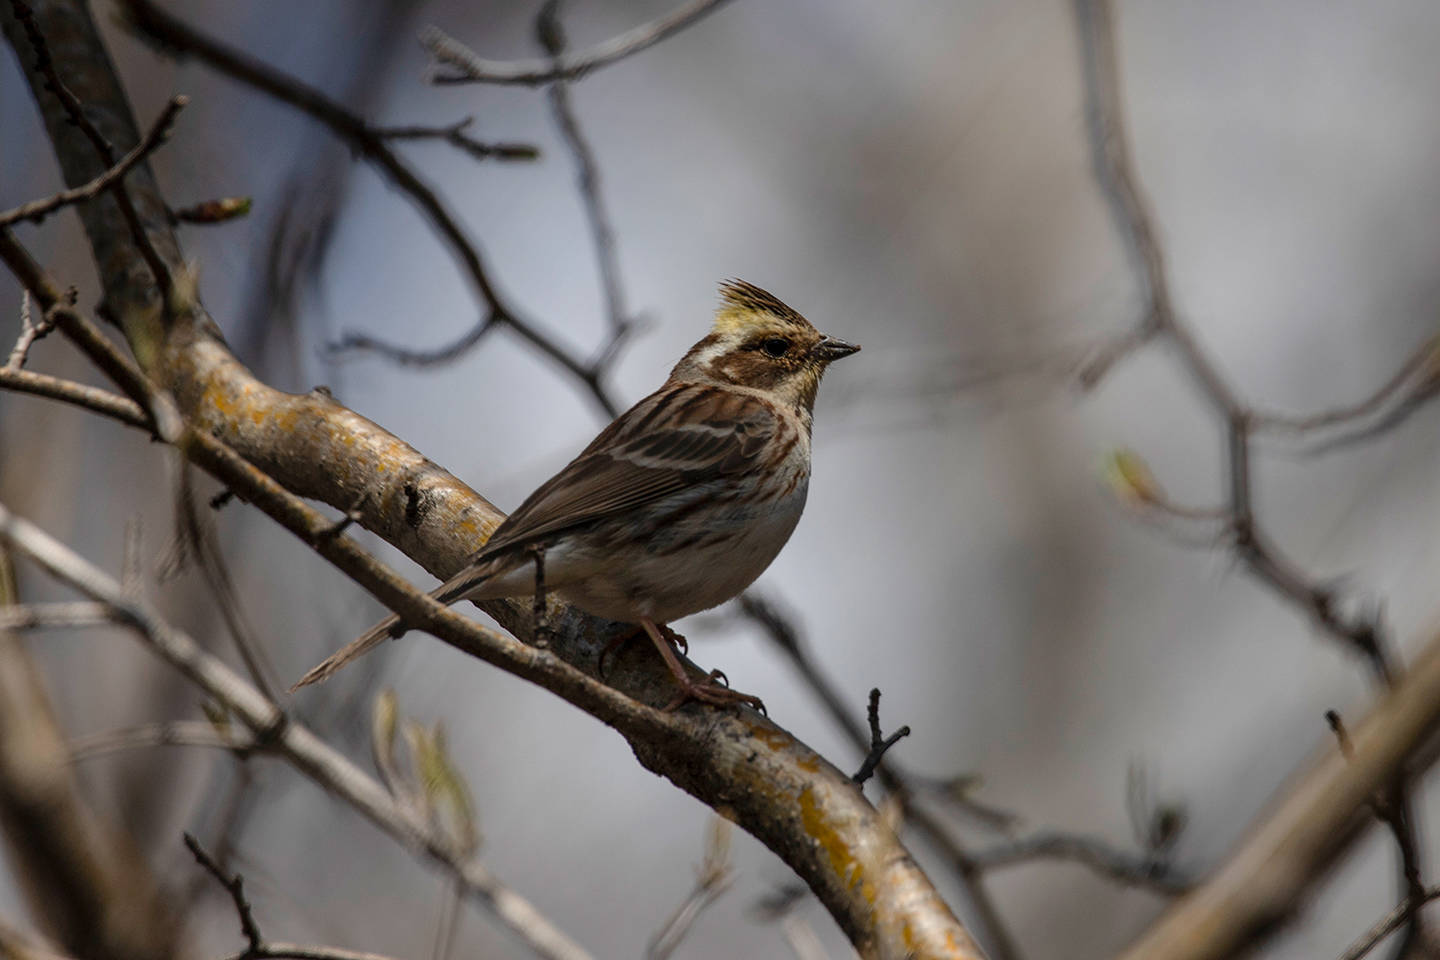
(759, 342)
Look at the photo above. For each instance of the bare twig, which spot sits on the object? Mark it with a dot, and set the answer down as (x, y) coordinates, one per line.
(1418, 365)
(1130, 870)
(235, 887)
(455, 135)
(879, 743)
(37, 210)
(412, 357)
(469, 67)
(94, 399)
(602, 235)
(49, 616)
(257, 947)
(179, 733)
(1411, 401)
(29, 333)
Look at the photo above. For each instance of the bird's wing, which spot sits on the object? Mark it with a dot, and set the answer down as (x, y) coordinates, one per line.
(678, 437)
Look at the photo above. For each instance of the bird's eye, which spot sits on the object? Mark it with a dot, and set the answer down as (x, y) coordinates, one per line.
(776, 347)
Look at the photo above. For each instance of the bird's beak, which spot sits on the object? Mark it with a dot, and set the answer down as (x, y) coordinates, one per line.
(833, 348)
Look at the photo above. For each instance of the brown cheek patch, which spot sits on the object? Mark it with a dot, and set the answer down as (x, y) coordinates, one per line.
(752, 370)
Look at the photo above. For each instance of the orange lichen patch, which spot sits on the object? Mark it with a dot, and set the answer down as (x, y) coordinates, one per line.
(771, 737)
(810, 763)
(842, 858)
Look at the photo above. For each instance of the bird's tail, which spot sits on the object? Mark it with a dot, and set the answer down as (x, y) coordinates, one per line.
(447, 593)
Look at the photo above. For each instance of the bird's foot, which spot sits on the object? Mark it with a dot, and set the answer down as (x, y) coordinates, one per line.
(714, 690)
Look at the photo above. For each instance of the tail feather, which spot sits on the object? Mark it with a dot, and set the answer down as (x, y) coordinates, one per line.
(447, 593)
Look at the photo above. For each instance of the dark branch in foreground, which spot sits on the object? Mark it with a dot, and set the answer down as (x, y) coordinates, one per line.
(235, 887)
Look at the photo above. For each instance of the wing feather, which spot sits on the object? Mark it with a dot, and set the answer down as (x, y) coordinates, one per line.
(706, 434)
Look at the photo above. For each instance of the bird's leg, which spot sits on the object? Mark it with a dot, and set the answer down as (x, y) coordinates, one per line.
(620, 639)
(541, 610)
(707, 690)
(616, 642)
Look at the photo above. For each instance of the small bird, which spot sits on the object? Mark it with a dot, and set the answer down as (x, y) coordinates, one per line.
(680, 503)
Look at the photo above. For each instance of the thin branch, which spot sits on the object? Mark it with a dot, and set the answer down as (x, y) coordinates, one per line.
(179, 733)
(29, 333)
(412, 357)
(94, 399)
(879, 743)
(1418, 363)
(455, 135)
(303, 749)
(602, 235)
(469, 67)
(257, 947)
(173, 34)
(159, 132)
(50, 616)
(1126, 869)
(235, 887)
(1412, 402)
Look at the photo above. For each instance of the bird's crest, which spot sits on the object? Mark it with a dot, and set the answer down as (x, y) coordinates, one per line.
(744, 305)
